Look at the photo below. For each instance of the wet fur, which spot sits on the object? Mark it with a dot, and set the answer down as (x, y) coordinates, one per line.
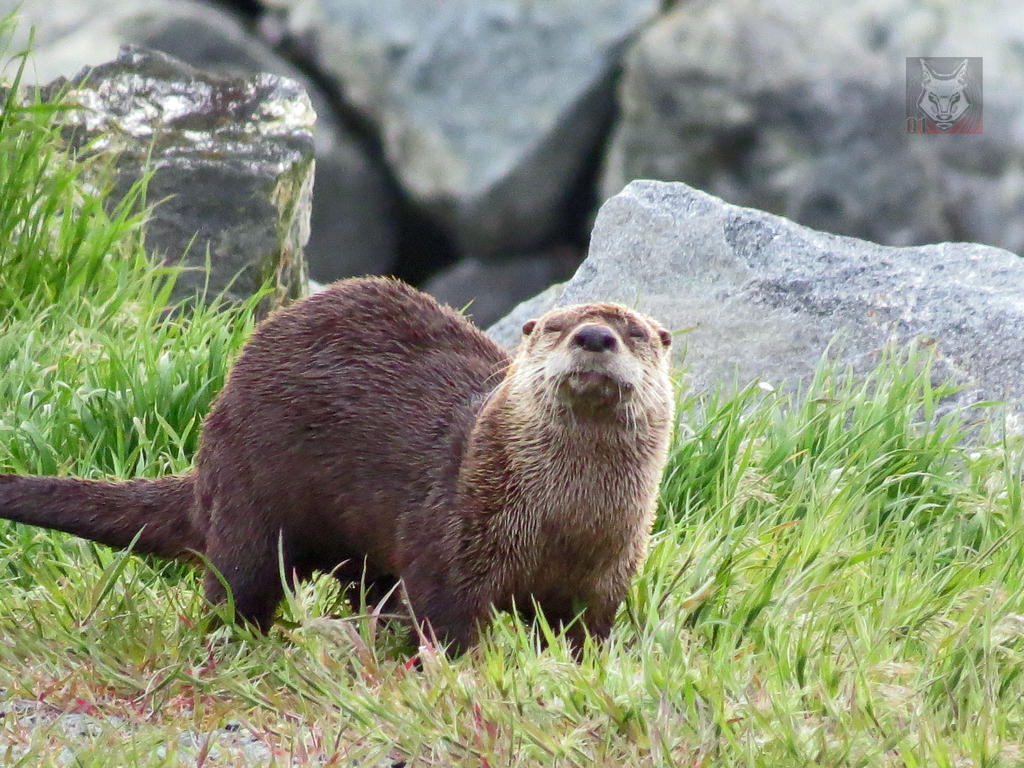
(370, 431)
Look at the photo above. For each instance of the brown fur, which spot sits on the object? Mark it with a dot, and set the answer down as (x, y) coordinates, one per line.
(371, 430)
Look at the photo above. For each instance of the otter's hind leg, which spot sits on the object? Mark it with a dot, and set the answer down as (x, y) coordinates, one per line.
(248, 562)
(450, 613)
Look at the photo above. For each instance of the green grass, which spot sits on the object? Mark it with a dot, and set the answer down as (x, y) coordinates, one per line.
(835, 578)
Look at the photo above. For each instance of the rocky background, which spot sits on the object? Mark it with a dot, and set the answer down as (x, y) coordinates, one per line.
(466, 145)
(754, 297)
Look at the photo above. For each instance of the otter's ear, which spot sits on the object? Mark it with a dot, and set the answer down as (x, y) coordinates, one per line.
(528, 327)
(666, 338)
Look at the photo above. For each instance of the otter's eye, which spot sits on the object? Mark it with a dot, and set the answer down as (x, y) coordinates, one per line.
(553, 326)
(636, 332)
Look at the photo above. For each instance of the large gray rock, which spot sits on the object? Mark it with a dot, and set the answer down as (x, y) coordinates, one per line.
(798, 107)
(489, 289)
(73, 34)
(353, 228)
(487, 108)
(232, 165)
(764, 297)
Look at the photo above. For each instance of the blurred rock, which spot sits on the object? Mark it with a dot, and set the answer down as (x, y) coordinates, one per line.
(765, 296)
(489, 289)
(232, 165)
(487, 108)
(353, 227)
(799, 108)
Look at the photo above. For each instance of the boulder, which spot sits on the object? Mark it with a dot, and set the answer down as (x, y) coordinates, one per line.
(488, 109)
(354, 226)
(231, 159)
(489, 289)
(76, 33)
(353, 229)
(764, 297)
(799, 108)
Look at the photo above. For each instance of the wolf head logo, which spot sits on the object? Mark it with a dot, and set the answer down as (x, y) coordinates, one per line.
(942, 96)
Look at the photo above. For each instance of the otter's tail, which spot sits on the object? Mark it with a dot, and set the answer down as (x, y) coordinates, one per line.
(110, 513)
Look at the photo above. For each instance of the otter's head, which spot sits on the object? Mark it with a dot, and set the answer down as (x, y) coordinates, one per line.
(595, 360)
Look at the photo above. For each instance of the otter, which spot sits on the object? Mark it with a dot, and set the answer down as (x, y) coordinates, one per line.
(371, 432)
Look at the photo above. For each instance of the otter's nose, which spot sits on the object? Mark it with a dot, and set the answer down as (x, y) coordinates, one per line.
(594, 338)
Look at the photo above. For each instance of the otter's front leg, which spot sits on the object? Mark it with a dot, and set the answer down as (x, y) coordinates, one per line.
(597, 621)
(602, 604)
